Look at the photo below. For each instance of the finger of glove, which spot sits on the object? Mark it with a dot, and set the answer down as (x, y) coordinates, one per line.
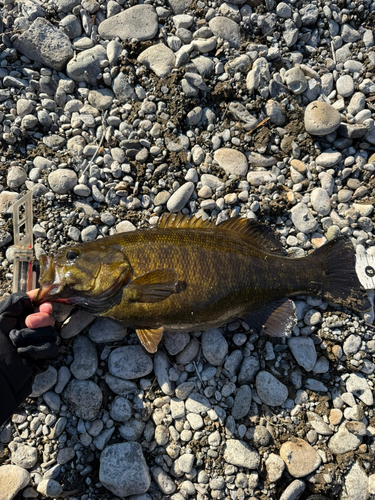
(27, 336)
(39, 351)
(13, 311)
(39, 320)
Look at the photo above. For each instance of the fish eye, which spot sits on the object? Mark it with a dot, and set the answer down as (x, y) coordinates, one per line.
(72, 254)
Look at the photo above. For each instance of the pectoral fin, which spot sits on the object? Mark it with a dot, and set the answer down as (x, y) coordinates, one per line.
(277, 319)
(150, 338)
(154, 286)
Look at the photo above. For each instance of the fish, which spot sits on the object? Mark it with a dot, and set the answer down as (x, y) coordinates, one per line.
(188, 274)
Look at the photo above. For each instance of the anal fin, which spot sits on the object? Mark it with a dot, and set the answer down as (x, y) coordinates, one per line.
(150, 338)
(276, 320)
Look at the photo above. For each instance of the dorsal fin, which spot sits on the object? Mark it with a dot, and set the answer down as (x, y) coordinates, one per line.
(169, 221)
(259, 234)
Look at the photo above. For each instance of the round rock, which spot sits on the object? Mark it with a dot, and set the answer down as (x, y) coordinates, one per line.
(214, 346)
(303, 219)
(85, 360)
(123, 469)
(232, 161)
(62, 180)
(180, 197)
(84, 398)
(240, 454)
(12, 480)
(321, 118)
(140, 21)
(270, 390)
(300, 458)
(129, 362)
(320, 201)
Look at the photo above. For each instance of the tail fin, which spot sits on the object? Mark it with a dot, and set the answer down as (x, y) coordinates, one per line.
(340, 284)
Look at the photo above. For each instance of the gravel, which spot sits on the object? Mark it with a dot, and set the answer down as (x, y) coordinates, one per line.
(115, 112)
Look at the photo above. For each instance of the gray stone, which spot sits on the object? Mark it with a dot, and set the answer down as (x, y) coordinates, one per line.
(294, 490)
(105, 330)
(249, 368)
(123, 90)
(240, 454)
(84, 398)
(159, 58)
(242, 402)
(356, 484)
(85, 360)
(62, 180)
(120, 410)
(12, 480)
(76, 323)
(164, 482)
(345, 86)
(349, 34)
(328, 159)
(49, 488)
(129, 362)
(303, 219)
(320, 201)
(71, 26)
(352, 344)
(180, 197)
(343, 442)
(304, 352)
(101, 98)
(22, 455)
(179, 6)
(232, 161)
(43, 382)
(197, 403)
(86, 66)
(259, 76)
(296, 80)
(140, 22)
(45, 43)
(227, 29)
(176, 342)
(214, 346)
(123, 469)
(321, 118)
(161, 370)
(270, 390)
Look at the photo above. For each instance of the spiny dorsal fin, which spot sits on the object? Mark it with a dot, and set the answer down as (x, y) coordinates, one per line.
(260, 235)
(173, 221)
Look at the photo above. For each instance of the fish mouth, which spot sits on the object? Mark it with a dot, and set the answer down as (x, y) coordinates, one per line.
(55, 289)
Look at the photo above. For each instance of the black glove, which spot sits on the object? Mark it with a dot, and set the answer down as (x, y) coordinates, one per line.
(39, 343)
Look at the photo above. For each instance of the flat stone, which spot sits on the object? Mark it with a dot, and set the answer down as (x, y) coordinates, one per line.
(22, 455)
(321, 118)
(232, 161)
(101, 98)
(50, 488)
(320, 201)
(123, 469)
(12, 480)
(76, 323)
(159, 58)
(294, 490)
(45, 43)
(275, 466)
(328, 160)
(84, 398)
(227, 29)
(356, 484)
(197, 403)
(62, 180)
(180, 197)
(214, 346)
(179, 6)
(296, 80)
(85, 360)
(343, 442)
(43, 382)
(242, 402)
(300, 458)
(129, 362)
(270, 390)
(105, 330)
(260, 177)
(304, 352)
(238, 453)
(140, 22)
(86, 67)
(176, 342)
(303, 219)
(345, 86)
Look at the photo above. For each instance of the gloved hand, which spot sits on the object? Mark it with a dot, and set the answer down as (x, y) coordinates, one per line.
(31, 332)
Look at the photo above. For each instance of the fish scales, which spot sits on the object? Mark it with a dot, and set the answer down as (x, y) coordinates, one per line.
(225, 278)
(188, 274)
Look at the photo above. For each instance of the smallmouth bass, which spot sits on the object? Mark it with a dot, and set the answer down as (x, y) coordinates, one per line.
(189, 275)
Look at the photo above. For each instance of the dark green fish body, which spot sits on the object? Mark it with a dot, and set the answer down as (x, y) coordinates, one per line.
(191, 275)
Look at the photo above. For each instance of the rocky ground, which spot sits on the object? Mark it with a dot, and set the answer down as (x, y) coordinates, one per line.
(114, 112)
